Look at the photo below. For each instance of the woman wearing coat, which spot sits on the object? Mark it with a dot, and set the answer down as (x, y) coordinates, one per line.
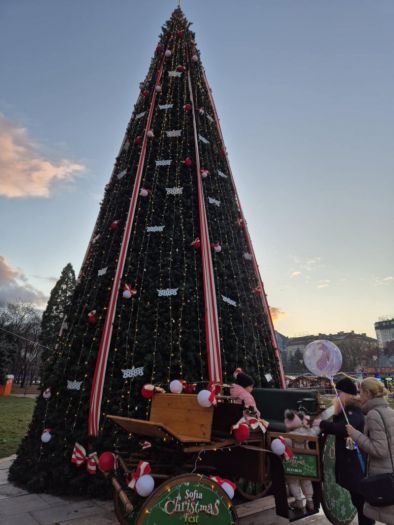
(348, 470)
(374, 439)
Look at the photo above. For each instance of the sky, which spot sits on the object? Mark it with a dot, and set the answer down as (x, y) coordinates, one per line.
(304, 90)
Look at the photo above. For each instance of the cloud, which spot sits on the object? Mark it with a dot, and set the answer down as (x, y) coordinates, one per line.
(324, 283)
(14, 286)
(24, 170)
(277, 313)
(388, 278)
(295, 274)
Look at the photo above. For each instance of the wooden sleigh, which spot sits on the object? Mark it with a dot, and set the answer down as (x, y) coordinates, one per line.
(187, 438)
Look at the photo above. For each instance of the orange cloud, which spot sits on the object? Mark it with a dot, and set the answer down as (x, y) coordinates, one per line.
(14, 286)
(276, 313)
(24, 172)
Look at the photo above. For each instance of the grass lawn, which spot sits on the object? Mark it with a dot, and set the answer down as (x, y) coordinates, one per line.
(15, 416)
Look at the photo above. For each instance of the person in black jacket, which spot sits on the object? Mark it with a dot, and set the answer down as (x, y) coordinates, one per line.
(348, 469)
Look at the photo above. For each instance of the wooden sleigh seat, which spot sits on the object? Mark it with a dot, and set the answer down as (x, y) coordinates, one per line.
(172, 415)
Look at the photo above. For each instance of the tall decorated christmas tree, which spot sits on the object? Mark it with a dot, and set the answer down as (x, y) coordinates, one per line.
(169, 287)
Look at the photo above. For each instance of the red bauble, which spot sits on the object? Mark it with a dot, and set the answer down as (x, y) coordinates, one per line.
(114, 226)
(145, 93)
(188, 162)
(222, 152)
(187, 107)
(180, 34)
(138, 140)
(196, 243)
(241, 433)
(148, 391)
(92, 317)
(107, 461)
(181, 69)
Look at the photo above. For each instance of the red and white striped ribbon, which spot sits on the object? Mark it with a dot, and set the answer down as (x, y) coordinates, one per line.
(143, 468)
(96, 393)
(211, 312)
(250, 246)
(79, 457)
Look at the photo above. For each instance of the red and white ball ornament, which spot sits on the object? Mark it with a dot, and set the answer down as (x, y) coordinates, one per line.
(278, 447)
(114, 226)
(188, 162)
(176, 386)
(187, 107)
(129, 291)
(47, 393)
(180, 68)
(145, 485)
(203, 398)
(46, 435)
(92, 319)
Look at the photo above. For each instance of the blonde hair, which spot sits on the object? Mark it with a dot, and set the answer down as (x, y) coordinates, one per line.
(373, 387)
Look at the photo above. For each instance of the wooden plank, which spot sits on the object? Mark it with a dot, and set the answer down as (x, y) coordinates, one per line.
(139, 426)
(255, 506)
(182, 414)
(212, 446)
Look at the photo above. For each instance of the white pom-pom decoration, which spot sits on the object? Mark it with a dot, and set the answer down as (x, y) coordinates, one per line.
(167, 53)
(46, 436)
(144, 192)
(145, 485)
(176, 386)
(47, 393)
(203, 398)
(278, 447)
(228, 489)
(194, 58)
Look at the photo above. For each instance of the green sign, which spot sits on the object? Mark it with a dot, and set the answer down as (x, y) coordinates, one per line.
(187, 499)
(337, 504)
(302, 465)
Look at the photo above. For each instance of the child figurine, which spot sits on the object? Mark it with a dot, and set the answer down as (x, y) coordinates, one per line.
(298, 424)
(242, 389)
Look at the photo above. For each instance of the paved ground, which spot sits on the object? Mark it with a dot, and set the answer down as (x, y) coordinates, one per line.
(18, 507)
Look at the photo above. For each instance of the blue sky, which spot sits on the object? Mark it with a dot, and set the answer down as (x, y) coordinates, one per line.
(304, 91)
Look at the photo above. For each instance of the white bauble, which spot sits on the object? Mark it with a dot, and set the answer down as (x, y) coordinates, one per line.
(194, 58)
(47, 393)
(203, 398)
(144, 192)
(158, 88)
(127, 294)
(176, 386)
(145, 485)
(150, 133)
(228, 489)
(46, 437)
(167, 53)
(278, 447)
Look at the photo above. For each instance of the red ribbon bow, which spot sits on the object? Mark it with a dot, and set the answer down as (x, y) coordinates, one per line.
(220, 481)
(79, 457)
(143, 468)
(288, 452)
(215, 389)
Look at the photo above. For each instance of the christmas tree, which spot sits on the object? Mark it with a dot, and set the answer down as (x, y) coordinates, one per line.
(169, 287)
(53, 318)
